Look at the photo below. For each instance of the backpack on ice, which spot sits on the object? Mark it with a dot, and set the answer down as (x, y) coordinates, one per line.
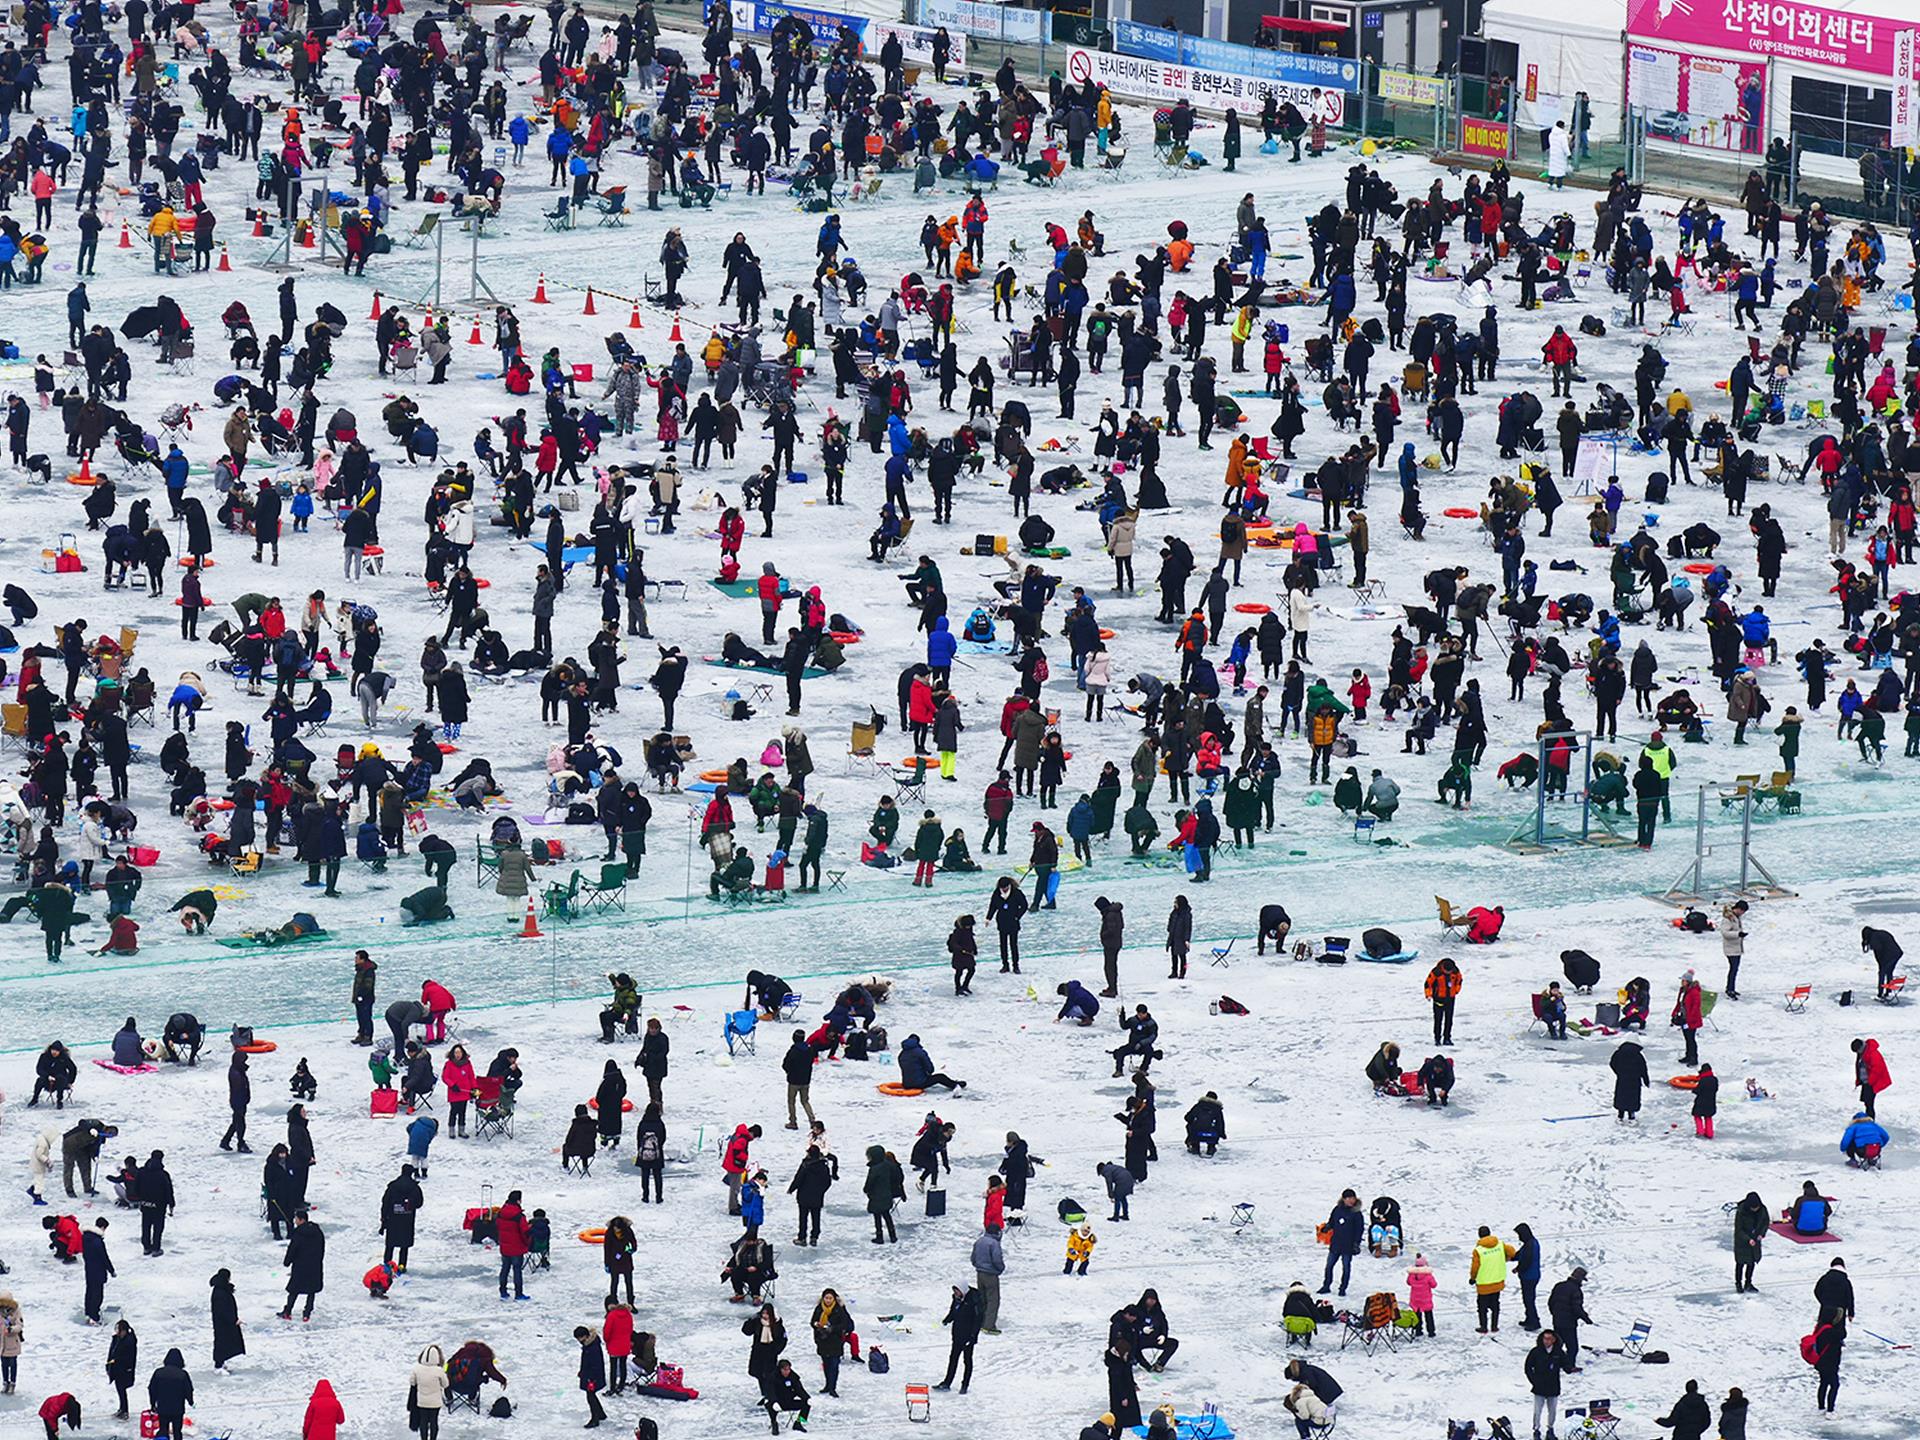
(877, 1361)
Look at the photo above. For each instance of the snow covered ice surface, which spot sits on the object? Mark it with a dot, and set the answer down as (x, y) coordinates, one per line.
(1639, 1207)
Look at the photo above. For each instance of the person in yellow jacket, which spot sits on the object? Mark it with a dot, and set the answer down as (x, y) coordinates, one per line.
(714, 352)
(1242, 332)
(1489, 1276)
(1080, 1243)
(161, 230)
(1102, 121)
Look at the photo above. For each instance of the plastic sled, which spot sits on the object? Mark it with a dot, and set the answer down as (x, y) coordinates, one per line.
(143, 1069)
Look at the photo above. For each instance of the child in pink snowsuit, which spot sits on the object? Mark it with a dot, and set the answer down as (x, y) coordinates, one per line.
(1420, 1283)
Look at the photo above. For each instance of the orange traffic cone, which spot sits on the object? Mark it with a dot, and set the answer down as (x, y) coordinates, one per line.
(126, 236)
(259, 224)
(225, 263)
(530, 927)
(306, 237)
(540, 290)
(376, 306)
(474, 338)
(84, 475)
(676, 337)
(588, 309)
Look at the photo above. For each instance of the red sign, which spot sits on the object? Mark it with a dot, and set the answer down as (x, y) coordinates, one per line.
(1533, 83)
(1484, 137)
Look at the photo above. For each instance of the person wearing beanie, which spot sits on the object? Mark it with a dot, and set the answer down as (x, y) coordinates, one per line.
(1420, 1286)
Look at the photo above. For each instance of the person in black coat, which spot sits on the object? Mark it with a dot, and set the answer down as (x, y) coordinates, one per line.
(398, 1206)
(797, 1066)
(99, 1265)
(1830, 1341)
(123, 1359)
(1567, 1307)
(1691, 1416)
(809, 1187)
(170, 1392)
(769, 1337)
(239, 1096)
(156, 1202)
(963, 1315)
(592, 1372)
(227, 1339)
(1016, 1167)
(608, 1099)
(1833, 1292)
(1206, 1123)
(1123, 1395)
(1630, 1078)
(1544, 1364)
(277, 1183)
(652, 1059)
(788, 1393)
(306, 1264)
(299, 1153)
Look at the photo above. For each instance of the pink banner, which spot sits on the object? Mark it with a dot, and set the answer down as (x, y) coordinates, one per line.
(1784, 28)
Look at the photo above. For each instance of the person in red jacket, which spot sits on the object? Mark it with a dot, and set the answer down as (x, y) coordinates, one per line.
(1015, 704)
(1689, 1015)
(56, 1408)
(769, 589)
(324, 1415)
(1560, 353)
(1483, 925)
(995, 1217)
(617, 1335)
(1870, 1073)
(736, 1161)
(440, 1004)
(998, 806)
(511, 1224)
(456, 1073)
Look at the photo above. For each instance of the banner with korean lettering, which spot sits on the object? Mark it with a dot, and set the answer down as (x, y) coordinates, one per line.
(1698, 100)
(1905, 130)
(761, 16)
(1489, 138)
(916, 43)
(984, 21)
(1785, 28)
(1153, 42)
(1165, 84)
(1402, 87)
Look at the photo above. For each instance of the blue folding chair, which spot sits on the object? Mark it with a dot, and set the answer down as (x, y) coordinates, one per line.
(738, 1029)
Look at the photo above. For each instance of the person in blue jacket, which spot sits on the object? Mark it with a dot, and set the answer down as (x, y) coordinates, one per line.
(1526, 1269)
(1077, 1003)
(420, 1135)
(367, 846)
(916, 1068)
(1346, 1227)
(1863, 1141)
(519, 132)
(1811, 1211)
(1340, 299)
(941, 647)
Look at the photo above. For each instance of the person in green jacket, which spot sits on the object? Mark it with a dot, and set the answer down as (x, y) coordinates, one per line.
(1242, 808)
(1873, 732)
(1459, 780)
(1140, 826)
(1230, 142)
(1106, 799)
(927, 841)
(764, 800)
(735, 877)
(813, 848)
(53, 904)
(1789, 732)
(885, 823)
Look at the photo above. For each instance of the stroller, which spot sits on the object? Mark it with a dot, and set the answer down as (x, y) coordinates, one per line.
(1385, 1238)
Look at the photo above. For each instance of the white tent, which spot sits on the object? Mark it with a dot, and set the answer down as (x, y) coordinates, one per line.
(1574, 48)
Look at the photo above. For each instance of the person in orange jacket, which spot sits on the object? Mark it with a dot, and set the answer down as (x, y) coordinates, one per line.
(1444, 983)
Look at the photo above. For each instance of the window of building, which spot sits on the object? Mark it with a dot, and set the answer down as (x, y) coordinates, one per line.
(1832, 118)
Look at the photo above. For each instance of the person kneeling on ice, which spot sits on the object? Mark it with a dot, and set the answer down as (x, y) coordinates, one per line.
(1436, 1078)
(1206, 1124)
(1863, 1141)
(1483, 925)
(379, 1280)
(1384, 1069)
(1079, 1003)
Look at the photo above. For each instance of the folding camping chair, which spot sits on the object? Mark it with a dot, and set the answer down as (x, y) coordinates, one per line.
(1363, 828)
(1300, 1330)
(1539, 999)
(1221, 953)
(789, 1007)
(919, 1403)
(1797, 999)
(1373, 1324)
(493, 1109)
(737, 1029)
(1634, 1342)
(1895, 987)
(1598, 1422)
(1450, 919)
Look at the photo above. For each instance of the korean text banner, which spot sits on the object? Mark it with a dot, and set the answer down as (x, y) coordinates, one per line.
(1153, 43)
(1166, 84)
(1785, 28)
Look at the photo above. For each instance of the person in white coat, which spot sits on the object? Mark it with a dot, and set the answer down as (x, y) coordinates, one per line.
(1559, 151)
(1099, 675)
(1299, 620)
(429, 1384)
(1307, 1411)
(39, 1163)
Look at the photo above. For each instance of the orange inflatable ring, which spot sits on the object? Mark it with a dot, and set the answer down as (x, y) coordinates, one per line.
(1685, 1082)
(920, 762)
(714, 777)
(846, 637)
(1461, 512)
(482, 584)
(187, 562)
(891, 1087)
(1700, 567)
(1106, 634)
(259, 1047)
(593, 1235)
(1253, 607)
(626, 1105)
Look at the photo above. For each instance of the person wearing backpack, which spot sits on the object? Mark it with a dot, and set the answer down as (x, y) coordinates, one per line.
(1822, 1350)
